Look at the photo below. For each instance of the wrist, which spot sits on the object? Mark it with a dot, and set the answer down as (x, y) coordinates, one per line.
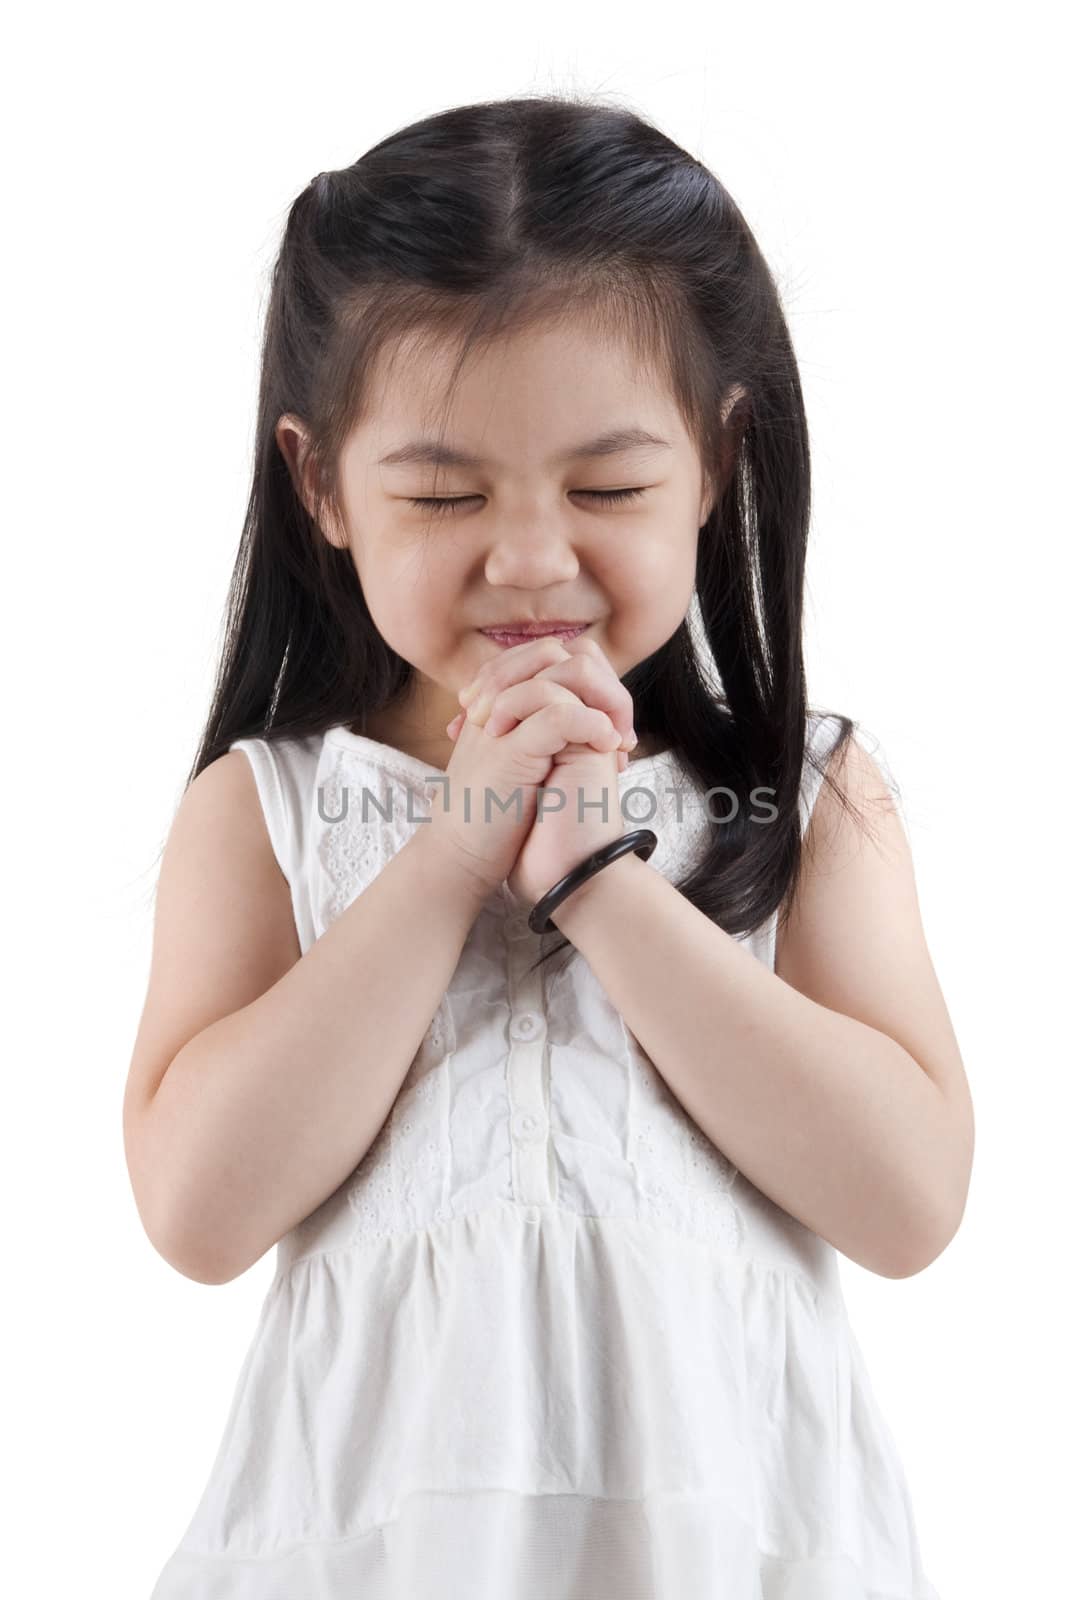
(595, 890)
(449, 872)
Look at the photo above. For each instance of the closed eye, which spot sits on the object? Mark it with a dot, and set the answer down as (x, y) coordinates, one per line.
(608, 496)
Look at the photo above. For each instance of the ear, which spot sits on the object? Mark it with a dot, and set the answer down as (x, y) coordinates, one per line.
(293, 440)
(737, 391)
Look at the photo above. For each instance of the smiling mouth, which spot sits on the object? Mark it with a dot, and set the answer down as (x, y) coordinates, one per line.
(521, 635)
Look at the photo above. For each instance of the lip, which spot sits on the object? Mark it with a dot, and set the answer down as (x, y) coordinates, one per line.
(552, 625)
(506, 639)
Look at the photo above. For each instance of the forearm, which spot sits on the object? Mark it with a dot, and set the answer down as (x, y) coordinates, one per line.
(263, 1114)
(831, 1118)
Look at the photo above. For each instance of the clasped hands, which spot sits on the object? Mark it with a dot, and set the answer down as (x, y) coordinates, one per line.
(582, 778)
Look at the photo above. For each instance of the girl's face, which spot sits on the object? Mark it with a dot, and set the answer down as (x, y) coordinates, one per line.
(531, 536)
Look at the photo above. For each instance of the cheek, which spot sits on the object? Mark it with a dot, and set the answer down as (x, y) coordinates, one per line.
(658, 570)
(650, 596)
(413, 614)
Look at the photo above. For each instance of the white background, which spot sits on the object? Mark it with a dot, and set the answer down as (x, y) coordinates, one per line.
(912, 176)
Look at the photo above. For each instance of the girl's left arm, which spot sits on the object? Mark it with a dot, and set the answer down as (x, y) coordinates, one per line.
(834, 1083)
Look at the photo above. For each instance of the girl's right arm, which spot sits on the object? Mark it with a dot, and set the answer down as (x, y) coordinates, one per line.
(260, 1077)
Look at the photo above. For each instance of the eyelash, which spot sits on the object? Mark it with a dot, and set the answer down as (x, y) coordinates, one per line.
(610, 496)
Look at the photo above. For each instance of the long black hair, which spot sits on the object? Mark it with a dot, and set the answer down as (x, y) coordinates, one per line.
(483, 219)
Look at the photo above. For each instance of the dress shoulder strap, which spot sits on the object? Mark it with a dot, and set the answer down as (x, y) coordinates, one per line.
(285, 772)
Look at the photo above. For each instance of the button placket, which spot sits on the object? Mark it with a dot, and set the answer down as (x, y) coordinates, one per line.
(527, 1026)
(526, 1085)
(528, 1125)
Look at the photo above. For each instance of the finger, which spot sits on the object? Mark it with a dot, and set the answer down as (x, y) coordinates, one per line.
(516, 661)
(584, 645)
(559, 723)
(592, 679)
(516, 703)
(522, 700)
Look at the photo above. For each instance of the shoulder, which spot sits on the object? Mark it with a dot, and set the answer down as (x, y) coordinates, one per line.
(280, 774)
(854, 845)
(853, 796)
(221, 829)
(222, 794)
(223, 797)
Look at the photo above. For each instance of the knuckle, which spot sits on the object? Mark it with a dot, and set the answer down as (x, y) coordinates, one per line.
(503, 705)
(580, 669)
(546, 650)
(538, 690)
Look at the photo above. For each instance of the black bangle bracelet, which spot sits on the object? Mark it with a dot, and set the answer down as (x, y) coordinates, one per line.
(642, 840)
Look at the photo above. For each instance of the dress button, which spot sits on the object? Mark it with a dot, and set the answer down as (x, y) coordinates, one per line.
(528, 1125)
(527, 1025)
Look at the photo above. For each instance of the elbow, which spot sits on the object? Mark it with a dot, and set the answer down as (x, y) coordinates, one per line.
(202, 1267)
(917, 1247)
(908, 1263)
(935, 1217)
(194, 1259)
(199, 1269)
(168, 1222)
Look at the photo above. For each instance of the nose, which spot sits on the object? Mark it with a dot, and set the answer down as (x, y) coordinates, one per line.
(532, 554)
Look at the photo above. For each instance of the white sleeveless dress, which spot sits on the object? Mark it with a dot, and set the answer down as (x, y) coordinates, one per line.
(546, 1342)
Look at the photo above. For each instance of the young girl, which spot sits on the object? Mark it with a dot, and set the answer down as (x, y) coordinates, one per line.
(556, 1310)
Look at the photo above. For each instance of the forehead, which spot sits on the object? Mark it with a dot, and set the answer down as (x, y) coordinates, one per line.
(544, 393)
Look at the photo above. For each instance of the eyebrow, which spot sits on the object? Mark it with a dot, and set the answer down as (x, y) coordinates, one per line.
(430, 453)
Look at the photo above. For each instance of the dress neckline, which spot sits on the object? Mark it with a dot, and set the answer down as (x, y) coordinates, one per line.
(387, 755)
